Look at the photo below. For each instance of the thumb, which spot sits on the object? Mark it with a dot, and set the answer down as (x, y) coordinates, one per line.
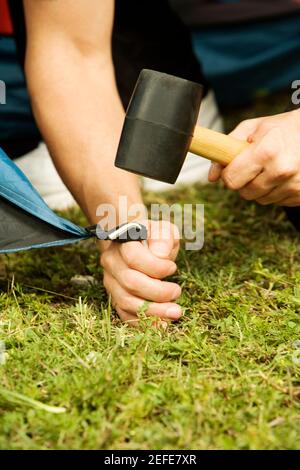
(243, 131)
(163, 239)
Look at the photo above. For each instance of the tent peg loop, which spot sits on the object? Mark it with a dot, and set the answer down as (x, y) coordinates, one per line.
(128, 232)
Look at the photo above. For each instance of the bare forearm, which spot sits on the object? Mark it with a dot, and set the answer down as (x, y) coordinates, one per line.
(79, 112)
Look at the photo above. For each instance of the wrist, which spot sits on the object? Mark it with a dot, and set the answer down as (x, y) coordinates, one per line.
(101, 189)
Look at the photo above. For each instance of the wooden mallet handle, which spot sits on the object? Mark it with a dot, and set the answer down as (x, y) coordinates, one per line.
(214, 146)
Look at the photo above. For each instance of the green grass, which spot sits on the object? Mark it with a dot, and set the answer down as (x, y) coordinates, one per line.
(225, 376)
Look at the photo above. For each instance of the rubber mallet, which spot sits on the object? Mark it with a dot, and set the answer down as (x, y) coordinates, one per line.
(160, 129)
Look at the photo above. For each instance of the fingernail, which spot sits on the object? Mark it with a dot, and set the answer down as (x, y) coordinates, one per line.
(160, 249)
(174, 312)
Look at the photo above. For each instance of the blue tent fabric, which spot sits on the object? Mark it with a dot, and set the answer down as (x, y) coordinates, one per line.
(26, 220)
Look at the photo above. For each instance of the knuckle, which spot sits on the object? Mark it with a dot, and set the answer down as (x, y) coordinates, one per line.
(285, 172)
(265, 126)
(252, 190)
(265, 153)
(268, 155)
(230, 182)
(128, 255)
(246, 124)
(130, 280)
(124, 302)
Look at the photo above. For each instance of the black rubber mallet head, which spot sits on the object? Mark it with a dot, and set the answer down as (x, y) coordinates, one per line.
(160, 128)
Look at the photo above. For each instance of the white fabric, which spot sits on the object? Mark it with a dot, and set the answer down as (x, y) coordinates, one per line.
(40, 170)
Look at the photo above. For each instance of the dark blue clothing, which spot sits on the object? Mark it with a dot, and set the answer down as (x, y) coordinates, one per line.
(18, 132)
